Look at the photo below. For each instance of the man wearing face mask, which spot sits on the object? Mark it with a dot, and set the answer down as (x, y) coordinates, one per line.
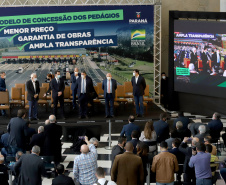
(3, 86)
(74, 78)
(33, 90)
(109, 86)
(139, 85)
(84, 86)
(164, 90)
(57, 86)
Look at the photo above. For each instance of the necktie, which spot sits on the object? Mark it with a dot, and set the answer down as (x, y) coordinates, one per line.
(83, 89)
(109, 86)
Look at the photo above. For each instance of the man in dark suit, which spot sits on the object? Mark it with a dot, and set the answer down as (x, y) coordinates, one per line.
(61, 179)
(109, 86)
(32, 168)
(3, 87)
(38, 139)
(205, 60)
(162, 128)
(84, 86)
(74, 78)
(139, 85)
(202, 133)
(194, 128)
(215, 126)
(216, 58)
(120, 173)
(135, 140)
(17, 129)
(129, 128)
(57, 86)
(185, 120)
(4, 177)
(194, 58)
(52, 143)
(119, 148)
(181, 133)
(33, 91)
(189, 173)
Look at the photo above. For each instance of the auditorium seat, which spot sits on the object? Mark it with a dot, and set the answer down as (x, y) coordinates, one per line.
(147, 95)
(16, 96)
(100, 91)
(43, 100)
(200, 65)
(68, 76)
(58, 105)
(186, 62)
(67, 99)
(222, 64)
(22, 86)
(4, 99)
(47, 87)
(26, 105)
(120, 95)
(128, 88)
(96, 100)
(71, 97)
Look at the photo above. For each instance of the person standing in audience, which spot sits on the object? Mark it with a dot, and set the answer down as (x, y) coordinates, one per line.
(164, 90)
(109, 86)
(135, 140)
(31, 168)
(189, 173)
(74, 78)
(33, 91)
(4, 177)
(127, 129)
(173, 135)
(127, 168)
(49, 78)
(52, 143)
(201, 162)
(3, 87)
(17, 129)
(181, 132)
(164, 165)
(209, 149)
(139, 85)
(62, 179)
(162, 128)
(149, 135)
(57, 86)
(215, 126)
(185, 120)
(208, 140)
(5, 144)
(84, 86)
(100, 174)
(38, 139)
(94, 141)
(202, 133)
(194, 128)
(47, 122)
(85, 164)
(119, 148)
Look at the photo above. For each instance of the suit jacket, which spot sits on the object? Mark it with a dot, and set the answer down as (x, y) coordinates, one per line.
(162, 130)
(57, 87)
(194, 128)
(17, 129)
(105, 88)
(194, 58)
(31, 91)
(214, 58)
(62, 180)
(73, 81)
(52, 143)
(116, 150)
(4, 177)
(181, 133)
(32, 168)
(139, 87)
(128, 129)
(135, 142)
(179, 155)
(38, 139)
(2, 84)
(127, 169)
(215, 126)
(201, 137)
(89, 86)
(184, 120)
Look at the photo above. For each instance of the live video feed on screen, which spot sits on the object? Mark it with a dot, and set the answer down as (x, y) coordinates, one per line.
(200, 57)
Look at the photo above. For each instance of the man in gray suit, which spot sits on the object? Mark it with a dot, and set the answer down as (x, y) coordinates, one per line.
(31, 168)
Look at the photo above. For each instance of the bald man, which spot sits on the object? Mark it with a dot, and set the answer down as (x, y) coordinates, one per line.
(85, 164)
(109, 86)
(74, 78)
(120, 173)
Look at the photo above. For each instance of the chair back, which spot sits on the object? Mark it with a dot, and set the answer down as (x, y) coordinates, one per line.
(16, 93)
(42, 92)
(22, 86)
(146, 91)
(67, 92)
(120, 91)
(26, 101)
(4, 97)
(45, 85)
(99, 87)
(128, 87)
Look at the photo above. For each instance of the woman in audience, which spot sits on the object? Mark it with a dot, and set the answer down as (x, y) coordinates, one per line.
(148, 135)
(49, 78)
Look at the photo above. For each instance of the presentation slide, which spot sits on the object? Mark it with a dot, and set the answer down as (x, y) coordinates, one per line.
(200, 57)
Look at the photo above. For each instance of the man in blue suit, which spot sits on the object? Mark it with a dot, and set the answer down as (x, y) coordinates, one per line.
(139, 85)
(74, 78)
(129, 128)
(3, 86)
(183, 119)
(109, 86)
(215, 126)
(162, 128)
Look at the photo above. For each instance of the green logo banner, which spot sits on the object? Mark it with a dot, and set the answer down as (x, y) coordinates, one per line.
(182, 71)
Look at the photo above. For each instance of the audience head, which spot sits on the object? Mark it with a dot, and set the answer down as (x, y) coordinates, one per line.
(176, 143)
(94, 141)
(52, 119)
(163, 74)
(163, 146)
(18, 155)
(2, 74)
(173, 133)
(135, 134)
(207, 139)
(84, 149)
(209, 148)
(216, 116)
(131, 119)
(2, 159)
(195, 140)
(122, 141)
(129, 147)
(179, 125)
(148, 129)
(50, 76)
(202, 129)
(60, 169)
(47, 122)
(100, 173)
(35, 149)
(180, 114)
(200, 147)
(163, 116)
(40, 129)
(21, 113)
(142, 149)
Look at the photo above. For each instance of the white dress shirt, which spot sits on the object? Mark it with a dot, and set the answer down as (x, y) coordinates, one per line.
(136, 79)
(109, 81)
(83, 85)
(33, 82)
(102, 181)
